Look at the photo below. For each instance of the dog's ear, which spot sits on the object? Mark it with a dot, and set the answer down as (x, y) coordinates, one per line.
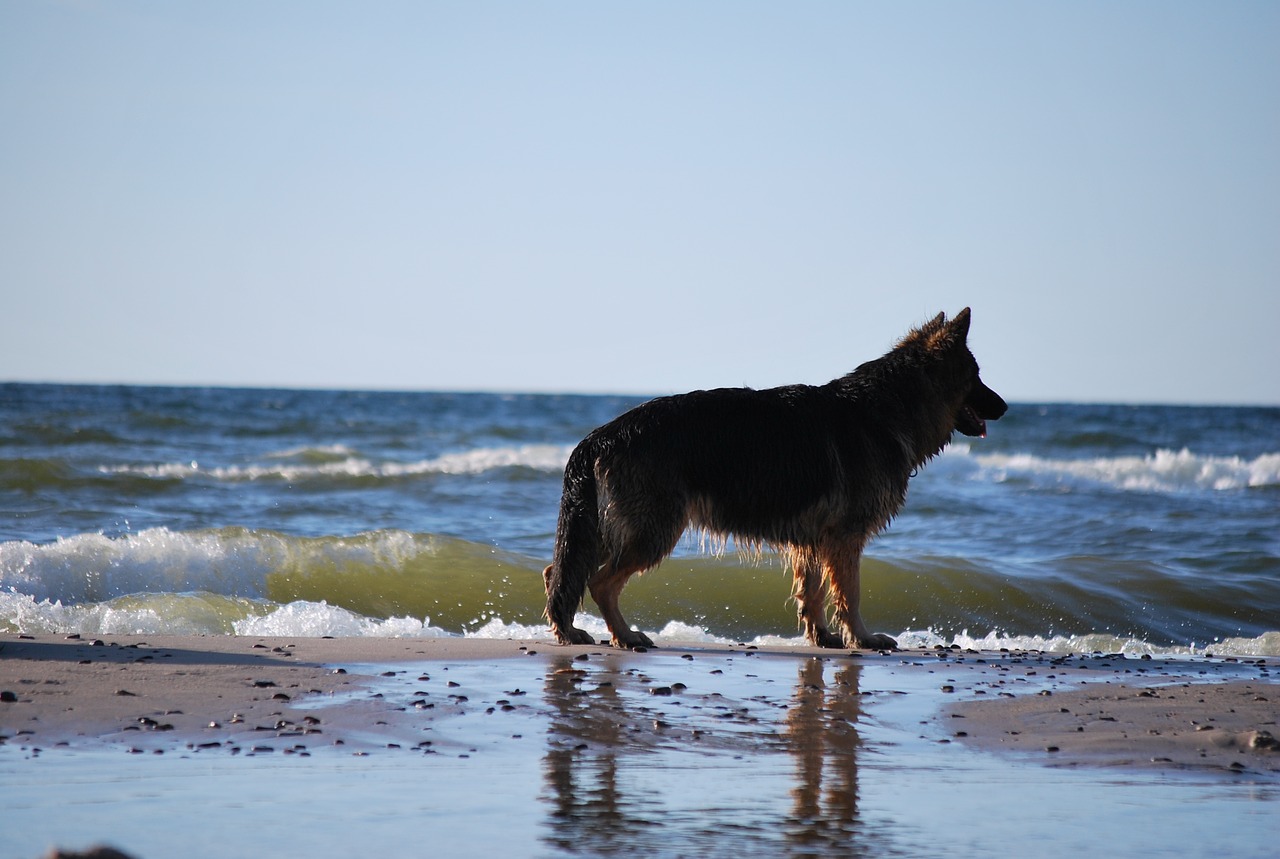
(927, 335)
(940, 336)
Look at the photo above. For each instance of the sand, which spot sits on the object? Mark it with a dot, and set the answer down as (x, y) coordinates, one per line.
(302, 746)
(240, 694)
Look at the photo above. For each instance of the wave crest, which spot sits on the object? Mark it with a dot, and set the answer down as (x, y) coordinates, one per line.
(340, 463)
(1162, 471)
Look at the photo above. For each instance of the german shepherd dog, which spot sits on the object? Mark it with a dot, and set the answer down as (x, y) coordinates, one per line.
(813, 472)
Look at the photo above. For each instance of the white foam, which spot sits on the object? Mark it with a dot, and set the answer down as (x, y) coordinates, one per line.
(168, 615)
(94, 567)
(1267, 644)
(538, 457)
(1163, 471)
(303, 619)
(232, 562)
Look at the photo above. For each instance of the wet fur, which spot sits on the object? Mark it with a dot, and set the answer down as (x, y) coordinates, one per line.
(812, 471)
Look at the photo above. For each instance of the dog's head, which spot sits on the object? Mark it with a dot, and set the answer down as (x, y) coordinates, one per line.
(946, 342)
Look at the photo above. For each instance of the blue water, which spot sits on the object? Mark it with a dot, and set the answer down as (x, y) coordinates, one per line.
(138, 509)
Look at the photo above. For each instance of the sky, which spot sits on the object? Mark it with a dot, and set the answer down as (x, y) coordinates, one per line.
(641, 197)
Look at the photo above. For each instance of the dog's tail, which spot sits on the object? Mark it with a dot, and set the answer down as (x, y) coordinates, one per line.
(578, 544)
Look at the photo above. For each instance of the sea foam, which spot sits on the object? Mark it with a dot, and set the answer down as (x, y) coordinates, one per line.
(340, 462)
(1163, 471)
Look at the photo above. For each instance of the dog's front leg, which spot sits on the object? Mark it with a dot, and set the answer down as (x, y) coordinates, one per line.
(843, 567)
(810, 593)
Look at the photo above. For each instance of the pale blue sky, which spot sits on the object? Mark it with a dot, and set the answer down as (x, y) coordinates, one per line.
(640, 197)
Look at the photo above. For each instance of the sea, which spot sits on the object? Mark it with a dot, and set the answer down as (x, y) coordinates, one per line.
(1136, 529)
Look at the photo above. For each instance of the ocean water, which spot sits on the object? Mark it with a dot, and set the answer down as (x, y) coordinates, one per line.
(1140, 529)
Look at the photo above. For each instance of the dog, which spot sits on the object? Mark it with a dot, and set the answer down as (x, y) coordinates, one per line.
(813, 472)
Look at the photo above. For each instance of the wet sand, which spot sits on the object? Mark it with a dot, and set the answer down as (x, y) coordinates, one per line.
(783, 741)
(234, 692)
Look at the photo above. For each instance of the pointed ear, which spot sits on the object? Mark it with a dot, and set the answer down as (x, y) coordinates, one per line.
(927, 334)
(960, 326)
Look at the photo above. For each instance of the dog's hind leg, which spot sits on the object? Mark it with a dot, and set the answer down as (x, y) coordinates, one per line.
(578, 546)
(560, 611)
(810, 593)
(606, 586)
(842, 565)
(636, 540)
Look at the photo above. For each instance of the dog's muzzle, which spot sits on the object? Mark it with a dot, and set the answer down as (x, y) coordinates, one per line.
(982, 405)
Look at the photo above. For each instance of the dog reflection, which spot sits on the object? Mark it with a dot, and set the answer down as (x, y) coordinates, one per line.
(823, 736)
(588, 733)
(598, 764)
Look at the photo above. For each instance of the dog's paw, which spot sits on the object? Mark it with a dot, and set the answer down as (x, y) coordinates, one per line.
(826, 638)
(878, 641)
(574, 636)
(632, 640)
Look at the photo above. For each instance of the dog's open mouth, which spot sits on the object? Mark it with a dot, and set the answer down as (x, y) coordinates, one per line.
(969, 423)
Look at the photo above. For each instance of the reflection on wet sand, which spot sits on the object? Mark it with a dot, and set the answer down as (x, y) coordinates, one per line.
(587, 735)
(633, 765)
(823, 736)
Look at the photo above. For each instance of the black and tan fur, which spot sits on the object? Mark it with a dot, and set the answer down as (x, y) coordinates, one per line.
(812, 471)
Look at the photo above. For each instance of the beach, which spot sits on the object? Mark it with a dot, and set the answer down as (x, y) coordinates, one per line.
(578, 738)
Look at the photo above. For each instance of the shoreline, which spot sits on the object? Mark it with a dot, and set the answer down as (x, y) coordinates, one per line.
(183, 693)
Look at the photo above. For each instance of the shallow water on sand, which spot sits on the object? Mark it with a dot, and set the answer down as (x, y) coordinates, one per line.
(677, 755)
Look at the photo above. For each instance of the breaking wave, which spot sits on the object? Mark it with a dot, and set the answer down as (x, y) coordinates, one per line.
(1162, 471)
(396, 583)
(304, 464)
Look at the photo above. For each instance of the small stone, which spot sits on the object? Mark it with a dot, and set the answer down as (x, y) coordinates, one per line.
(8, 697)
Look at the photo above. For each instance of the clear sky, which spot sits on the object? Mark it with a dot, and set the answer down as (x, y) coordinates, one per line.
(641, 197)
